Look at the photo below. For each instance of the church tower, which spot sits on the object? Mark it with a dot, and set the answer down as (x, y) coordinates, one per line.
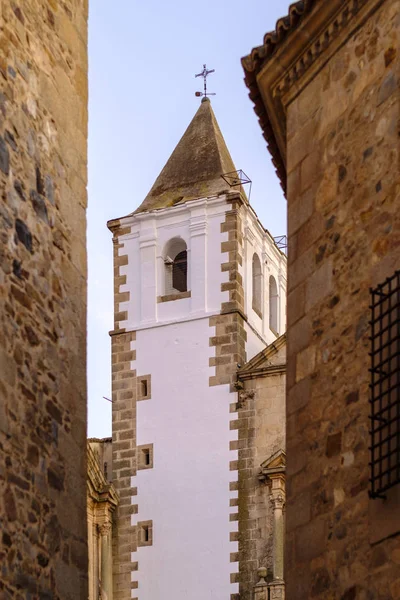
(199, 289)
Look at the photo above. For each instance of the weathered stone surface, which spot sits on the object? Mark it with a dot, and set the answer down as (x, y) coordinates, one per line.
(339, 78)
(39, 205)
(23, 234)
(356, 218)
(43, 347)
(260, 423)
(4, 157)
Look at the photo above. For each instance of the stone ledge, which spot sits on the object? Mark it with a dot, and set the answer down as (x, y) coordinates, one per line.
(171, 297)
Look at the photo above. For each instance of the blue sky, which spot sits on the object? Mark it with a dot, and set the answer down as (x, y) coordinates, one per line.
(142, 60)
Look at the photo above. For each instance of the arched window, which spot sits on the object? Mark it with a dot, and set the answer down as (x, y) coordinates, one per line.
(175, 259)
(257, 285)
(179, 272)
(273, 305)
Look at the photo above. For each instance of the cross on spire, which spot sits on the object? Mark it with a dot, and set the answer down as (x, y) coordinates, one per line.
(205, 72)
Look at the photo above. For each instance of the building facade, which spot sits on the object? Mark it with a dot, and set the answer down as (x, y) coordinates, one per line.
(43, 176)
(325, 85)
(199, 290)
(261, 413)
(102, 500)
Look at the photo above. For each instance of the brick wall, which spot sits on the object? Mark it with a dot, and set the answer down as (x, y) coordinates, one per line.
(43, 131)
(343, 225)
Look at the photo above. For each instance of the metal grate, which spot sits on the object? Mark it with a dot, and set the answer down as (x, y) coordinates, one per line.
(385, 386)
(237, 178)
(281, 242)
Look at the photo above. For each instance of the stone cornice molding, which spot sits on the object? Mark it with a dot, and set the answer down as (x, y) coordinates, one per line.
(262, 372)
(274, 467)
(98, 488)
(276, 75)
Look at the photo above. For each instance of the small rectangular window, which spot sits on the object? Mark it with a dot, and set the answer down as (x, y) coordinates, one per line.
(145, 533)
(145, 456)
(143, 387)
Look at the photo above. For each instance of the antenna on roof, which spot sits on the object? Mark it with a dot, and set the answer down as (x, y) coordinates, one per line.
(205, 72)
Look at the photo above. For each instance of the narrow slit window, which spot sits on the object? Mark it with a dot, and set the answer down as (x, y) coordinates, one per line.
(146, 456)
(143, 387)
(145, 533)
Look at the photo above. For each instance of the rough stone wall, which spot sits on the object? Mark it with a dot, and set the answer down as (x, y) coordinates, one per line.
(124, 459)
(261, 415)
(230, 336)
(124, 397)
(344, 232)
(43, 175)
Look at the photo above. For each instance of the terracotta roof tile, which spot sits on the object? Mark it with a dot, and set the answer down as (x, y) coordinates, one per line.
(253, 63)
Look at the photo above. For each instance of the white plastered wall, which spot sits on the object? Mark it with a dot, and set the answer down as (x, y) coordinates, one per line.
(198, 223)
(273, 262)
(186, 494)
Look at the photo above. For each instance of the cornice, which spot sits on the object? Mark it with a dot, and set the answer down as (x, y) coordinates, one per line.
(291, 56)
(98, 488)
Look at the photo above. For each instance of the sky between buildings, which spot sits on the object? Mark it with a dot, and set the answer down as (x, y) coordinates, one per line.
(143, 55)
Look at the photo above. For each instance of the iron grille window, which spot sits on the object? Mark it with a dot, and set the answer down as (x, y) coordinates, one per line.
(385, 386)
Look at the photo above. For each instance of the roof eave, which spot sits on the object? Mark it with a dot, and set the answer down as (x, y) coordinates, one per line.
(297, 46)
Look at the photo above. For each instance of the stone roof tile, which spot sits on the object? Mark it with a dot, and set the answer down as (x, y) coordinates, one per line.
(195, 167)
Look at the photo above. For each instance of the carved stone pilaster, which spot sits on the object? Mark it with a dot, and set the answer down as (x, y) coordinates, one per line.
(105, 528)
(106, 561)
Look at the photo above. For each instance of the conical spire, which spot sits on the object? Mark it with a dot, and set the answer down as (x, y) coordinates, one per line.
(195, 167)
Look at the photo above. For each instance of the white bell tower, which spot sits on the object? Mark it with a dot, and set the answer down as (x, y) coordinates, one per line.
(191, 301)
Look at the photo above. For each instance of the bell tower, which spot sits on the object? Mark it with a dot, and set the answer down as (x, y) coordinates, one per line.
(191, 303)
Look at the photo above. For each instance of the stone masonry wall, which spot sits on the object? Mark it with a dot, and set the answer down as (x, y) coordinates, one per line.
(344, 232)
(261, 414)
(43, 176)
(124, 449)
(229, 338)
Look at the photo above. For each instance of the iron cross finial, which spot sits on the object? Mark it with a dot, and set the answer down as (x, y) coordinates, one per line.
(205, 72)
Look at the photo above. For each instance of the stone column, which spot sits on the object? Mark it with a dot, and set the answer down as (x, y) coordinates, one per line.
(278, 502)
(91, 552)
(106, 562)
